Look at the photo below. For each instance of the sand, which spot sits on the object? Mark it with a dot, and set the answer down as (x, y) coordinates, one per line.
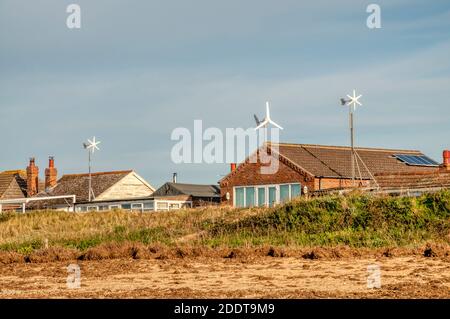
(261, 277)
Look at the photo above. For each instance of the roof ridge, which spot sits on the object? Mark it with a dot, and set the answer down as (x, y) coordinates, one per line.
(14, 171)
(374, 149)
(97, 173)
(190, 184)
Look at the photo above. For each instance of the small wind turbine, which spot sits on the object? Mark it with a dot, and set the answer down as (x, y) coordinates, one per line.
(266, 121)
(91, 146)
(352, 102)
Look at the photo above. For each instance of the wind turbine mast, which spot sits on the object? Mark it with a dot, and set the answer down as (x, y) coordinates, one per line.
(352, 102)
(91, 146)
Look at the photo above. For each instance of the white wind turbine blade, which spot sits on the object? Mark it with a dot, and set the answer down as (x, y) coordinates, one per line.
(275, 124)
(262, 124)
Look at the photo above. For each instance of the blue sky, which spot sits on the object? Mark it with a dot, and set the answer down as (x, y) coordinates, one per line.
(138, 69)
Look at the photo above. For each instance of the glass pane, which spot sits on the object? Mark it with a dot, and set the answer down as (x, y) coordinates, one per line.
(148, 206)
(261, 196)
(126, 206)
(250, 196)
(162, 205)
(272, 196)
(284, 193)
(295, 190)
(136, 207)
(240, 197)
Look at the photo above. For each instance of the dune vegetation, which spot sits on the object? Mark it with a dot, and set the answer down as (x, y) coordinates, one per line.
(355, 220)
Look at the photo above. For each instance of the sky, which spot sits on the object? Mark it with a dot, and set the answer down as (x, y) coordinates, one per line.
(136, 70)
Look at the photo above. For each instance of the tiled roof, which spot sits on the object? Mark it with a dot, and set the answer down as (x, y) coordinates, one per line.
(78, 184)
(414, 180)
(335, 161)
(7, 177)
(196, 190)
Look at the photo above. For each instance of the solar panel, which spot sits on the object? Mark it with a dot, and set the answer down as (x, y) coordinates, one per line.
(416, 160)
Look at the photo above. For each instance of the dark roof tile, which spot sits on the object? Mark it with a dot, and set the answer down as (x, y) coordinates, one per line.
(78, 184)
(196, 190)
(335, 161)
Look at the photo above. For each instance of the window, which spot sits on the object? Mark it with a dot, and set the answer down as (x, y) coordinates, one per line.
(272, 196)
(249, 196)
(266, 195)
(92, 208)
(174, 206)
(240, 197)
(103, 207)
(148, 206)
(261, 196)
(126, 206)
(114, 206)
(82, 209)
(162, 206)
(284, 193)
(296, 190)
(136, 207)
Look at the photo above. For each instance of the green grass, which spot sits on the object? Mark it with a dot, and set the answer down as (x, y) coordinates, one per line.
(355, 220)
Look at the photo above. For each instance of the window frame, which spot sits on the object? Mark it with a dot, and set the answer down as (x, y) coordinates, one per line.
(266, 188)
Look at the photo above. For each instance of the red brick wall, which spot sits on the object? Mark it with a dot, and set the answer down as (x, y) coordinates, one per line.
(325, 183)
(250, 174)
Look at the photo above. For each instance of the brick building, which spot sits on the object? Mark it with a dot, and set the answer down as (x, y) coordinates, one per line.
(312, 168)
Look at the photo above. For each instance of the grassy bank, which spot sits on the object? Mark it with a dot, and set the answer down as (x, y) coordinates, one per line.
(356, 220)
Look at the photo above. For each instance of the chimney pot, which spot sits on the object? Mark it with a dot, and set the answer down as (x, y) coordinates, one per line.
(51, 173)
(446, 162)
(51, 161)
(233, 167)
(174, 178)
(32, 178)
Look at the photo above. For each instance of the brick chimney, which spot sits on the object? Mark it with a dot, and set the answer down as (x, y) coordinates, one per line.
(446, 162)
(51, 173)
(32, 178)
